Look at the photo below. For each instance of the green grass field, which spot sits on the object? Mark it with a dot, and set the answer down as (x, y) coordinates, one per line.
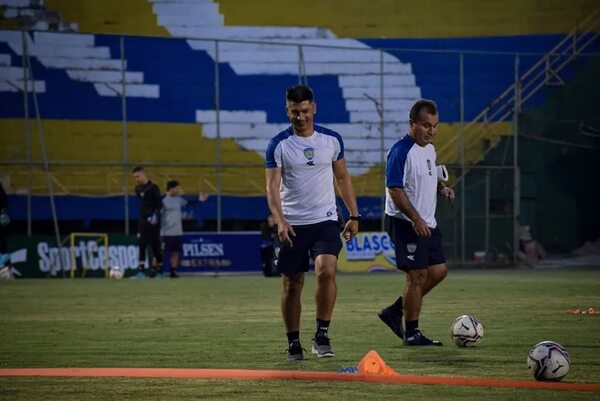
(234, 322)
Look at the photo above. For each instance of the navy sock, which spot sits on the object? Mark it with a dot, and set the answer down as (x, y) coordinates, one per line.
(411, 327)
(397, 306)
(293, 337)
(322, 327)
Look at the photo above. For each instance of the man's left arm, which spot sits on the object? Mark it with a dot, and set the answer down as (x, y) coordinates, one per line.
(157, 207)
(344, 182)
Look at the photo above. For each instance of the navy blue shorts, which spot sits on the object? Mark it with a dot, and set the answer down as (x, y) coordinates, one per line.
(414, 252)
(311, 240)
(172, 243)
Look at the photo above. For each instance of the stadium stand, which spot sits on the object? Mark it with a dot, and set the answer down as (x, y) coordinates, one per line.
(170, 87)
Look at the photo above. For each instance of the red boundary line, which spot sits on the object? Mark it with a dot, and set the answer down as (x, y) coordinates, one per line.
(240, 374)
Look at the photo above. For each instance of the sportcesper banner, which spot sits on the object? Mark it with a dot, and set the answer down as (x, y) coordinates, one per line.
(39, 256)
(368, 251)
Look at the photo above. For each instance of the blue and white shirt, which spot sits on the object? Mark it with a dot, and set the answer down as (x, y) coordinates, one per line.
(412, 167)
(307, 192)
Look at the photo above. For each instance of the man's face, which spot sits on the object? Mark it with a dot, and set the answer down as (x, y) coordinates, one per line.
(140, 177)
(175, 191)
(424, 129)
(301, 116)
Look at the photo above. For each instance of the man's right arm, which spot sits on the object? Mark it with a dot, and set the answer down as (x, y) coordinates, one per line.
(284, 230)
(273, 176)
(403, 203)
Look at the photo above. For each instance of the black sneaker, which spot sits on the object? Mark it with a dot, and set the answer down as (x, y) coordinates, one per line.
(174, 275)
(419, 339)
(322, 347)
(295, 352)
(393, 320)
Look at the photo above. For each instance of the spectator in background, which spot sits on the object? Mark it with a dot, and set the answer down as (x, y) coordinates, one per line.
(268, 234)
(149, 222)
(530, 250)
(171, 229)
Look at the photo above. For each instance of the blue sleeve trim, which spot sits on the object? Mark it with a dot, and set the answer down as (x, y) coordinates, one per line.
(327, 131)
(396, 161)
(273, 143)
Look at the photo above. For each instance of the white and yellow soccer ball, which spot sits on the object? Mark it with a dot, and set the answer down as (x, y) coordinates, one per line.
(548, 361)
(466, 331)
(116, 272)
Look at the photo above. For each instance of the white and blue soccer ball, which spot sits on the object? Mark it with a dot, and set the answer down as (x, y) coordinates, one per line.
(116, 272)
(548, 361)
(466, 331)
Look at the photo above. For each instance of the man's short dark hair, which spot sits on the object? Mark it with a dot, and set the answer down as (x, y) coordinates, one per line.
(172, 184)
(137, 169)
(299, 94)
(428, 105)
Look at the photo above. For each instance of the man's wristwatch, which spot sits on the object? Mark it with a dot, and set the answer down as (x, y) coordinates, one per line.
(355, 218)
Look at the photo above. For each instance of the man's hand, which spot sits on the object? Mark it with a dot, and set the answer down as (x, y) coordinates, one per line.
(447, 193)
(153, 219)
(285, 232)
(421, 228)
(202, 196)
(350, 230)
(4, 218)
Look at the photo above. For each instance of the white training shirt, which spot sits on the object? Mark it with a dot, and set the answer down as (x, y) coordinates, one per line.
(307, 192)
(170, 216)
(412, 167)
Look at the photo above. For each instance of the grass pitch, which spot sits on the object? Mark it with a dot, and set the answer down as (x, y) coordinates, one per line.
(234, 322)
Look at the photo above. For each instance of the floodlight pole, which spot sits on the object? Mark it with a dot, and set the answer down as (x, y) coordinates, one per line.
(45, 159)
(382, 139)
(463, 195)
(124, 136)
(218, 122)
(517, 177)
(27, 128)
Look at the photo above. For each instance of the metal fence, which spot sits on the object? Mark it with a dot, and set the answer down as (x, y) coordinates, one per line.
(369, 90)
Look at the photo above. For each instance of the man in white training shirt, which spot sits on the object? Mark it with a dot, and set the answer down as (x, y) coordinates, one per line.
(301, 163)
(171, 226)
(411, 196)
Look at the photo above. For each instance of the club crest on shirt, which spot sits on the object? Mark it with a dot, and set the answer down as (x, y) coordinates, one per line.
(411, 248)
(309, 153)
(429, 166)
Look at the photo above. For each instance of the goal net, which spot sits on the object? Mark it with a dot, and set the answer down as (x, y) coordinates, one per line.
(82, 253)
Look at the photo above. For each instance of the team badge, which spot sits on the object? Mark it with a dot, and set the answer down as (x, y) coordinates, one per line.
(411, 248)
(309, 153)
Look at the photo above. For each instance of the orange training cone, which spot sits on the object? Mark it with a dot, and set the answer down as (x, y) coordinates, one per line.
(373, 364)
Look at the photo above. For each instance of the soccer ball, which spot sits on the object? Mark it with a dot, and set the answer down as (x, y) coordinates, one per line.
(116, 272)
(548, 361)
(466, 331)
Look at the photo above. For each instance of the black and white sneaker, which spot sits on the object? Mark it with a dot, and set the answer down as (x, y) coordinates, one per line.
(393, 320)
(418, 339)
(295, 352)
(321, 347)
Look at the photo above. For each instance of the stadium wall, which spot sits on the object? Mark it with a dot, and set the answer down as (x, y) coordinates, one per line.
(401, 19)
